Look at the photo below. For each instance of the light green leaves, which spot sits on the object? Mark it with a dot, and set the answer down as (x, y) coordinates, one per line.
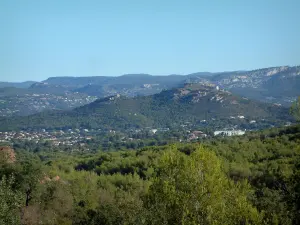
(194, 190)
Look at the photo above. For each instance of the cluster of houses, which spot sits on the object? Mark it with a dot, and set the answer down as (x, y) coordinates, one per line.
(33, 103)
(56, 137)
(72, 137)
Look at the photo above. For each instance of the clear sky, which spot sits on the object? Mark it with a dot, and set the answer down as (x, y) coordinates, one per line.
(43, 38)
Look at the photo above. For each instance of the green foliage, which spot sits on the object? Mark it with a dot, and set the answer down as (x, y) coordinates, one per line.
(10, 201)
(252, 179)
(268, 161)
(188, 190)
(53, 204)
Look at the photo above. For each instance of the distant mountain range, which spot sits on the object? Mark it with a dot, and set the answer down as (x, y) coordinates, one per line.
(192, 103)
(25, 84)
(268, 82)
(276, 84)
(279, 85)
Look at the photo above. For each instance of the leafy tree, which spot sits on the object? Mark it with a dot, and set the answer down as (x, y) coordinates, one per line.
(10, 202)
(53, 205)
(29, 179)
(194, 190)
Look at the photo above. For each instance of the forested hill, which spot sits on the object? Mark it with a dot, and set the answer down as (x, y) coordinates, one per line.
(171, 108)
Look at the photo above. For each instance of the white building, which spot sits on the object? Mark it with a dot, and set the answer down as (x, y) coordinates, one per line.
(153, 131)
(229, 132)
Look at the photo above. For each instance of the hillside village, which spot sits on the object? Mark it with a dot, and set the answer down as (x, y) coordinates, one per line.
(71, 137)
(33, 103)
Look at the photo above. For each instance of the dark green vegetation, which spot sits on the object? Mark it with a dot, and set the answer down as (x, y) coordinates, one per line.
(252, 179)
(170, 108)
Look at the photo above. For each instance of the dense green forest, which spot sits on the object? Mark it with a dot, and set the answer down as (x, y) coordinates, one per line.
(252, 179)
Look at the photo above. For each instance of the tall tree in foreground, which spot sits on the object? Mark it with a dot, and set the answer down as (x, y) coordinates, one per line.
(194, 190)
(295, 109)
(10, 202)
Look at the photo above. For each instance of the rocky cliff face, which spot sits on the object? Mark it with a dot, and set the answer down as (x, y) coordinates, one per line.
(274, 85)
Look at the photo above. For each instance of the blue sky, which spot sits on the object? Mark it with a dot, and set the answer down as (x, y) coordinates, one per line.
(43, 38)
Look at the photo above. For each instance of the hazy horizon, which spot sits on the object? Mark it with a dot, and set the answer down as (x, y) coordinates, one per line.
(43, 39)
(215, 72)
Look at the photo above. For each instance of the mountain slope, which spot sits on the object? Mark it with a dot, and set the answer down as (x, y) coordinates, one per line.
(135, 79)
(25, 84)
(275, 84)
(13, 91)
(171, 108)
